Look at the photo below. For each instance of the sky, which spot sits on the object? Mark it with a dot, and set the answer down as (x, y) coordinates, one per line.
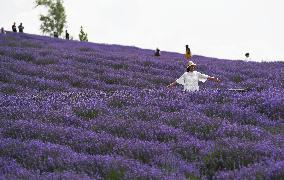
(214, 28)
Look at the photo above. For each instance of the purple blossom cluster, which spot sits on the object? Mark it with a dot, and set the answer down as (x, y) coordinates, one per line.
(78, 110)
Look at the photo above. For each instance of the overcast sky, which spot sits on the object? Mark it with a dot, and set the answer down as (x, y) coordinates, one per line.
(215, 28)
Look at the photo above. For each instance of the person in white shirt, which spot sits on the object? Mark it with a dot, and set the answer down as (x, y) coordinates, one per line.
(247, 59)
(190, 78)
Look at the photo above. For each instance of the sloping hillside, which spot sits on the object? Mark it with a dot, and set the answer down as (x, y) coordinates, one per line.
(74, 110)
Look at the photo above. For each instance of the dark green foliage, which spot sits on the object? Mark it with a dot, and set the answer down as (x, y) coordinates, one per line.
(148, 64)
(224, 160)
(85, 49)
(9, 90)
(170, 108)
(55, 20)
(87, 114)
(45, 61)
(12, 44)
(120, 66)
(5, 76)
(2, 52)
(189, 154)
(237, 79)
(23, 56)
(144, 115)
(115, 174)
(174, 122)
(159, 81)
(191, 176)
(222, 99)
(219, 112)
(28, 44)
(279, 129)
(78, 83)
(112, 80)
(117, 103)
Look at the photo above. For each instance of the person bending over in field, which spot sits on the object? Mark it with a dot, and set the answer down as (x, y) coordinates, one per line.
(157, 53)
(191, 77)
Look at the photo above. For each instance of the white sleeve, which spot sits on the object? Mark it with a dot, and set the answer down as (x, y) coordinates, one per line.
(202, 77)
(181, 79)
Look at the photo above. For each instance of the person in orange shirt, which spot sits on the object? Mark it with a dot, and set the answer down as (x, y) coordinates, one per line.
(187, 52)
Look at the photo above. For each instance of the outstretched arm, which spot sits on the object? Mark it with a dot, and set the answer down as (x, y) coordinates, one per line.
(214, 79)
(172, 84)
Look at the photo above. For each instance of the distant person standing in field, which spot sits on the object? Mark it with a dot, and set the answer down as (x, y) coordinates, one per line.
(14, 28)
(191, 77)
(247, 57)
(157, 53)
(21, 28)
(55, 34)
(2, 31)
(66, 35)
(187, 52)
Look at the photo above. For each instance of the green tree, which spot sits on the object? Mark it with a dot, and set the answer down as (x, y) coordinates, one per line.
(83, 36)
(55, 20)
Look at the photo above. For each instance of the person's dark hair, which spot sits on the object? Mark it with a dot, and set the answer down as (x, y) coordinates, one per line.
(188, 69)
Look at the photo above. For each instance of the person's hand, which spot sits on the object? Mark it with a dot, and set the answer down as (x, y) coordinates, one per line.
(170, 85)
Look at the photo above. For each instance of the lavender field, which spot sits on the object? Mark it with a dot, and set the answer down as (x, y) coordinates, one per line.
(74, 110)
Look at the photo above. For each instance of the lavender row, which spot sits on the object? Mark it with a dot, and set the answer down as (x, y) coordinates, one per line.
(47, 157)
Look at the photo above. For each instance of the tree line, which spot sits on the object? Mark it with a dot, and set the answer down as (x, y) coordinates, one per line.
(55, 19)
